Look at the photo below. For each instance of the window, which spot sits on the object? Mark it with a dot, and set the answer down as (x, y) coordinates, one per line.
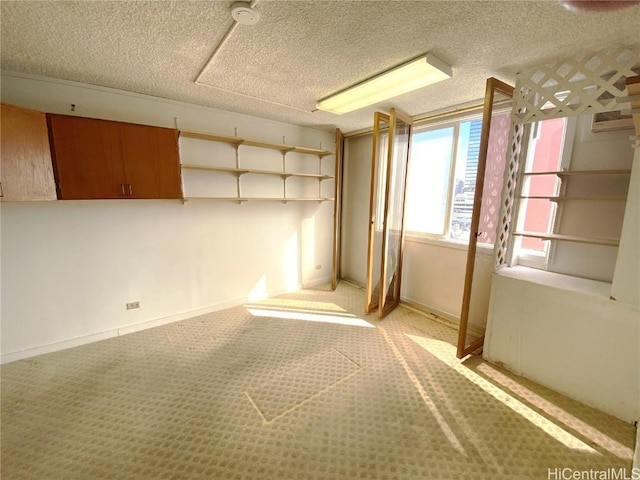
(571, 206)
(540, 193)
(441, 180)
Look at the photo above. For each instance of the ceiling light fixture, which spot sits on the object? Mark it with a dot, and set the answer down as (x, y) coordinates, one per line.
(596, 5)
(244, 14)
(417, 73)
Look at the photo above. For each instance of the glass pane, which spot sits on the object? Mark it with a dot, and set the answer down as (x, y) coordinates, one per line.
(544, 155)
(493, 148)
(494, 174)
(428, 181)
(464, 185)
(495, 162)
(378, 187)
(397, 174)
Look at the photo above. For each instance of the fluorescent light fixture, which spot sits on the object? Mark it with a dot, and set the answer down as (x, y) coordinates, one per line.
(417, 73)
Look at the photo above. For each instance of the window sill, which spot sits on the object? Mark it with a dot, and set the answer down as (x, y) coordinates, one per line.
(558, 280)
(445, 243)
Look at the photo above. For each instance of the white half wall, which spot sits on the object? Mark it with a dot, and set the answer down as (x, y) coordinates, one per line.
(433, 276)
(69, 267)
(626, 279)
(583, 345)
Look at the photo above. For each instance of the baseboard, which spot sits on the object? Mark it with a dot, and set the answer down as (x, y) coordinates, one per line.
(431, 310)
(447, 318)
(136, 327)
(353, 283)
(55, 347)
(313, 283)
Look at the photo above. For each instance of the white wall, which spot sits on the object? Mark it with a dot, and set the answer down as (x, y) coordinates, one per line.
(598, 219)
(626, 279)
(69, 267)
(585, 346)
(355, 208)
(433, 276)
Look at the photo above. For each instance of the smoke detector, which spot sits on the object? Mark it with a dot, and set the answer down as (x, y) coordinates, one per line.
(244, 14)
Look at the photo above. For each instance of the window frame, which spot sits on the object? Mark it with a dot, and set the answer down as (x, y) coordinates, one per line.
(531, 258)
(428, 126)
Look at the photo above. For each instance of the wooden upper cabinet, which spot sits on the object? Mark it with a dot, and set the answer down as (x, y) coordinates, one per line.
(25, 159)
(151, 161)
(87, 158)
(101, 159)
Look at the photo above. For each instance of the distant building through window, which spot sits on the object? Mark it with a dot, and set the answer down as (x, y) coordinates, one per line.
(465, 181)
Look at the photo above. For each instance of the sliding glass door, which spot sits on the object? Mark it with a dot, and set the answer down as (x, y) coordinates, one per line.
(376, 213)
(391, 145)
(494, 141)
(337, 209)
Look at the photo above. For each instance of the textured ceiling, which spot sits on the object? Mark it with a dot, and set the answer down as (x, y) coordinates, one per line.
(300, 51)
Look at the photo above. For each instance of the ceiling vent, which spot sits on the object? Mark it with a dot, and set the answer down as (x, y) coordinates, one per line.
(244, 14)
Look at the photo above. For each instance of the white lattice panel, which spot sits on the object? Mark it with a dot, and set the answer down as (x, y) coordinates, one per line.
(497, 150)
(508, 195)
(585, 84)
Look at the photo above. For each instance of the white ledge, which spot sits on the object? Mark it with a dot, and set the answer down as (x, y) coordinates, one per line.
(586, 286)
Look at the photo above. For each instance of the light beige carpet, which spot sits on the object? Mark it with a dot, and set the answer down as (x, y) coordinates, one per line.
(296, 387)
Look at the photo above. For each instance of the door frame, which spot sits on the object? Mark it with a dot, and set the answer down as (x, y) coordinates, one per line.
(371, 304)
(337, 209)
(383, 309)
(493, 85)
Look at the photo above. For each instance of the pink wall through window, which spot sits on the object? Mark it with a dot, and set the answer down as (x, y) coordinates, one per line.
(493, 177)
(546, 158)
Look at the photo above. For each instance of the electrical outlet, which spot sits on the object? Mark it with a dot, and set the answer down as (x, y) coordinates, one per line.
(132, 305)
(318, 267)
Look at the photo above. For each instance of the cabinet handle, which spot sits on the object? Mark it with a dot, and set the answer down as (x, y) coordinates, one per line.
(1, 191)
(130, 190)
(122, 190)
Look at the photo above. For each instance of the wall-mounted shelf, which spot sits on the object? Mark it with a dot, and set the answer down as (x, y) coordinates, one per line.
(255, 143)
(607, 242)
(235, 171)
(261, 199)
(566, 199)
(566, 173)
(210, 137)
(562, 198)
(242, 171)
(238, 171)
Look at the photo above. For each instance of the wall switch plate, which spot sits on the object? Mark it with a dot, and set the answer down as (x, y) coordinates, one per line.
(132, 305)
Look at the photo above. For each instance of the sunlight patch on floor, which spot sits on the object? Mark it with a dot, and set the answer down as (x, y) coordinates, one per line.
(606, 442)
(447, 354)
(301, 304)
(444, 426)
(350, 320)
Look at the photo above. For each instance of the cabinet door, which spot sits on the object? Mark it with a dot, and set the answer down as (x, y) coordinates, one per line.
(25, 165)
(87, 158)
(151, 161)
